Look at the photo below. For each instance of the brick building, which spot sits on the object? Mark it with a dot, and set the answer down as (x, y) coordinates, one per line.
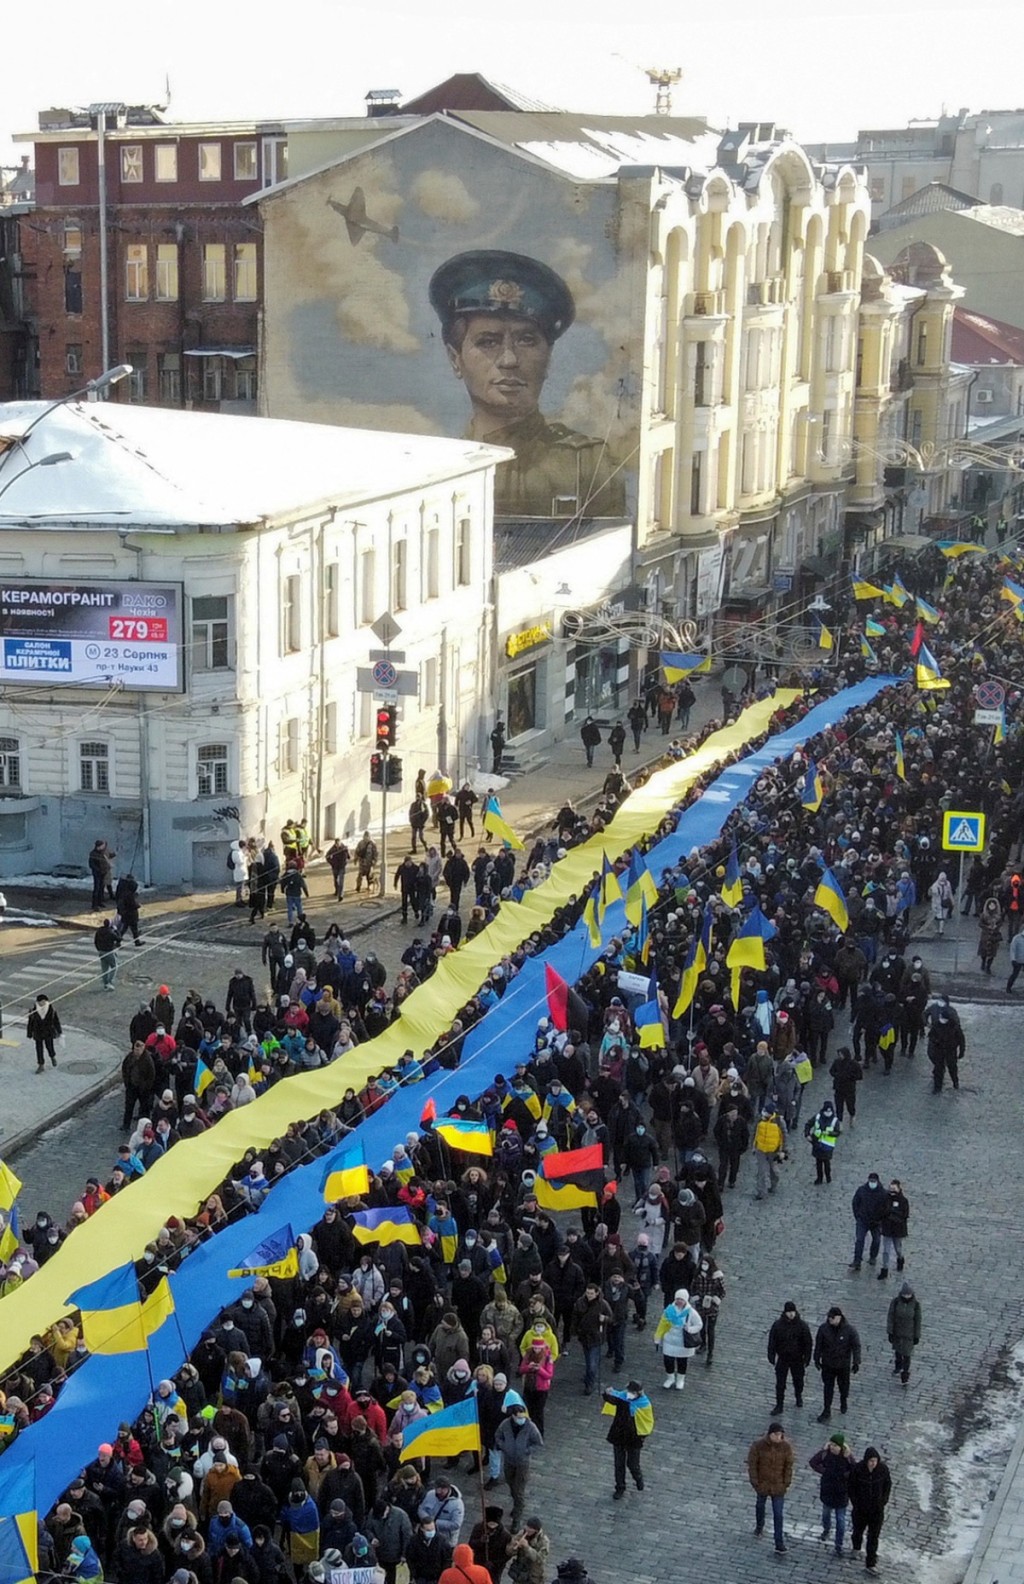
(183, 258)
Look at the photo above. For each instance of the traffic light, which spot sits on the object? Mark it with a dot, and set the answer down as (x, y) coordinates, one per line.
(394, 771)
(386, 720)
(377, 770)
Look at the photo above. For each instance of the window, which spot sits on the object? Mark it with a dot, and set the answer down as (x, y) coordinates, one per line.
(332, 596)
(213, 379)
(73, 291)
(211, 621)
(876, 189)
(696, 484)
(10, 762)
(131, 162)
(165, 162)
(922, 344)
(330, 820)
(209, 162)
(67, 167)
(916, 425)
(245, 162)
(136, 265)
(275, 160)
(167, 272)
(72, 239)
(826, 434)
(168, 365)
(138, 357)
(995, 193)
(331, 728)
(245, 379)
(73, 357)
(212, 769)
(433, 563)
(463, 552)
(245, 272)
(291, 614)
(290, 745)
(367, 592)
(399, 561)
(701, 375)
(214, 267)
(94, 767)
(430, 683)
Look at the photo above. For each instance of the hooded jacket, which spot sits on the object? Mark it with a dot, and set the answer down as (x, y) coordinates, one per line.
(464, 1570)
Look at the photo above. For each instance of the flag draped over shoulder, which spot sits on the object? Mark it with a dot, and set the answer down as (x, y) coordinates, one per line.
(473, 1138)
(111, 1312)
(829, 896)
(345, 1174)
(640, 1410)
(443, 1434)
(393, 1224)
(275, 1256)
(495, 825)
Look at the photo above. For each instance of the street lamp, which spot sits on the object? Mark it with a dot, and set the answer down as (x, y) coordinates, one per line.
(102, 382)
(46, 461)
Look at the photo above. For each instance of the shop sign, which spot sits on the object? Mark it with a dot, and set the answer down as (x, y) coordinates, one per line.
(519, 642)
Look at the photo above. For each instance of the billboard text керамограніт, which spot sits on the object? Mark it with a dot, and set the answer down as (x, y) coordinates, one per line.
(91, 634)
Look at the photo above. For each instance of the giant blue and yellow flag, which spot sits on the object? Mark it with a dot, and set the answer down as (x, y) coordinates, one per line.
(443, 1434)
(640, 887)
(677, 666)
(111, 1312)
(392, 1224)
(473, 1138)
(498, 827)
(275, 1256)
(346, 1174)
(732, 885)
(829, 896)
(813, 788)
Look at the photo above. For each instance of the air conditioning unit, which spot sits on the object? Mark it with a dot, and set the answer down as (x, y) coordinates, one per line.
(983, 398)
(72, 361)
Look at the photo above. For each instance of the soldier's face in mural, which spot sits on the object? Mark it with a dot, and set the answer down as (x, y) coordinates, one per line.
(503, 362)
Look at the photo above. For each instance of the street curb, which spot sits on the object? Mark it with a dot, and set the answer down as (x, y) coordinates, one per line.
(994, 1513)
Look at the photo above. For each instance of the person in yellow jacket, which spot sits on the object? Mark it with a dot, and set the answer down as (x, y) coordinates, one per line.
(769, 1146)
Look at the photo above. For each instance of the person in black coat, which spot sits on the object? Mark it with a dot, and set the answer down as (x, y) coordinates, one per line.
(126, 898)
(789, 1350)
(427, 1555)
(44, 1027)
(945, 1047)
(624, 1437)
(870, 1489)
(837, 1356)
(846, 1073)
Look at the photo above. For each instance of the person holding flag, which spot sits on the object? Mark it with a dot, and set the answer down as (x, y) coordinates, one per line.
(632, 1422)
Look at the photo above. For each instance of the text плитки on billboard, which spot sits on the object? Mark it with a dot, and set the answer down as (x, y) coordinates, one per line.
(91, 634)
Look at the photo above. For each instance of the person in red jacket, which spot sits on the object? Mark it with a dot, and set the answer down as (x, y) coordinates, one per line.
(464, 1569)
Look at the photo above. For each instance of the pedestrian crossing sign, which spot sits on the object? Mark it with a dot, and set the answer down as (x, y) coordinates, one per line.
(963, 832)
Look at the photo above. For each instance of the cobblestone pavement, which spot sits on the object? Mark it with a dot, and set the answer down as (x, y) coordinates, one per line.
(958, 1156)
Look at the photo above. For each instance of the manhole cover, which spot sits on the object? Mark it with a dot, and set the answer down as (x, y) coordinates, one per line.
(81, 1067)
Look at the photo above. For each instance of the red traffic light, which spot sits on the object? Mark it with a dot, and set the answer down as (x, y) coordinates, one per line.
(386, 721)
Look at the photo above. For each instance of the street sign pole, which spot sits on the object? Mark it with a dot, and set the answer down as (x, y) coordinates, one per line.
(384, 826)
(959, 916)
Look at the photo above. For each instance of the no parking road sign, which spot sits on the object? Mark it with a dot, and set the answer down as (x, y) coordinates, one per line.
(962, 831)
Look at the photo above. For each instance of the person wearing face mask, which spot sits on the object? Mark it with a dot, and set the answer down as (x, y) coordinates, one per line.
(518, 1441)
(837, 1356)
(44, 1029)
(946, 1046)
(427, 1554)
(869, 1203)
(640, 1155)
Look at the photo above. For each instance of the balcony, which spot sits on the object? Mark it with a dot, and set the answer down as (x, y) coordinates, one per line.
(709, 304)
(770, 293)
(839, 282)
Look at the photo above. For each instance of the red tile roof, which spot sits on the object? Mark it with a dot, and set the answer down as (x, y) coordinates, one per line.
(978, 338)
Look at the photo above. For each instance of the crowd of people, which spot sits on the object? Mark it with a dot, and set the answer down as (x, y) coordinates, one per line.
(275, 1451)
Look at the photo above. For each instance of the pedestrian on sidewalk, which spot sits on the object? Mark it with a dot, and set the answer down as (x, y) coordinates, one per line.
(637, 717)
(990, 934)
(617, 741)
(366, 857)
(903, 1327)
(339, 857)
(895, 1218)
(294, 888)
(126, 896)
(666, 709)
(101, 869)
(632, 1422)
(770, 1463)
(869, 1204)
(1016, 961)
(465, 798)
(686, 698)
(106, 941)
(498, 741)
(834, 1465)
(44, 1027)
(941, 894)
(590, 736)
(138, 1074)
(870, 1489)
(789, 1351)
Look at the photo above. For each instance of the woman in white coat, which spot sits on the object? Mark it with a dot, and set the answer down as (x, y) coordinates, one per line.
(652, 1210)
(678, 1335)
(941, 893)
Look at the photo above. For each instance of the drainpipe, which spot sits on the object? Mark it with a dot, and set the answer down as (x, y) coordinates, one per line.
(101, 160)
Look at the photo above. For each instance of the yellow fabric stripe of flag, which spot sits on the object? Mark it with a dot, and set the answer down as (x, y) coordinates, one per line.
(496, 825)
(119, 1330)
(10, 1187)
(28, 1528)
(568, 1198)
(825, 639)
(641, 891)
(687, 988)
(829, 897)
(862, 590)
(158, 1307)
(590, 920)
(348, 1182)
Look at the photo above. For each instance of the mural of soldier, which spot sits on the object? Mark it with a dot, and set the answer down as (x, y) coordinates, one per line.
(501, 314)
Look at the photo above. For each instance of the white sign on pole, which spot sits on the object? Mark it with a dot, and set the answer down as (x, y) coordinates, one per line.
(987, 717)
(710, 575)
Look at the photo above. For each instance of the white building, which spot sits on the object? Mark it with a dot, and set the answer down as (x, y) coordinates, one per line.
(184, 602)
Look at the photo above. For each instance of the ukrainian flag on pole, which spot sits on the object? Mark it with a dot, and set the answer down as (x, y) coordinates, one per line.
(495, 825)
(111, 1312)
(444, 1434)
(829, 896)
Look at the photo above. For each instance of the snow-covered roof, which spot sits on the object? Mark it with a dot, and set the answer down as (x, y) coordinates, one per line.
(149, 467)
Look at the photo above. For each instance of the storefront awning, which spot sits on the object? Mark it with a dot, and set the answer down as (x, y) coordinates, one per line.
(911, 542)
(228, 352)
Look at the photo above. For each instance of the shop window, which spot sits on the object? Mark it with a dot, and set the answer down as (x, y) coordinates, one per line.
(521, 711)
(597, 687)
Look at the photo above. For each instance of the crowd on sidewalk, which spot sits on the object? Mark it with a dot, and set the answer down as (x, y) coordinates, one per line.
(275, 1450)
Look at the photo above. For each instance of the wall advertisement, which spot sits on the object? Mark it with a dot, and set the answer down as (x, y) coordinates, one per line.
(92, 634)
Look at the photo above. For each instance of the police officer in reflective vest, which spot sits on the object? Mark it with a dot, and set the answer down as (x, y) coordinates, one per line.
(823, 1130)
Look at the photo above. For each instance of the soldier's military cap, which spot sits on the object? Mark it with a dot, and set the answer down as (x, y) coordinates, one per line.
(509, 285)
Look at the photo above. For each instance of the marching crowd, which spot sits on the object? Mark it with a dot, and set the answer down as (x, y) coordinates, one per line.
(274, 1452)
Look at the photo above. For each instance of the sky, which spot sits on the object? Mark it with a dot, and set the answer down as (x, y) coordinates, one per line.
(817, 68)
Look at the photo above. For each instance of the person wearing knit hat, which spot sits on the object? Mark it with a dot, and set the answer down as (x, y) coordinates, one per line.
(903, 1327)
(870, 1489)
(770, 1464)
(833, 1464)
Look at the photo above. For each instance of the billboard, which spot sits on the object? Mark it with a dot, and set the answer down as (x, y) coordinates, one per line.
(92, 634)
(441, 285)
